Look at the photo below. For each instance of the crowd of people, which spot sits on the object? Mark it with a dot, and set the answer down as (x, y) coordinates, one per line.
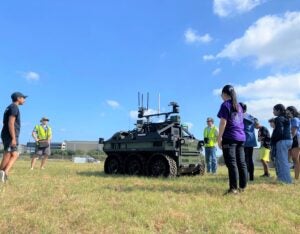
(236, 137)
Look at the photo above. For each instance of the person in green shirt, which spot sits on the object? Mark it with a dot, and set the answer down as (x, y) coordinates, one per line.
(210, 140)
(42, 134)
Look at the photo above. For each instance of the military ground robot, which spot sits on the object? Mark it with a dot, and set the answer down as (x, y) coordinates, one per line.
(163, 148)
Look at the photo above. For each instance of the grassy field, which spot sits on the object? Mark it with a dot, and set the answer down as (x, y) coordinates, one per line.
(70, 198)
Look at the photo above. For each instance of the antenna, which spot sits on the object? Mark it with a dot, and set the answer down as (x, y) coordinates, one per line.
(147, 101)
(139, 99)
(159, 103)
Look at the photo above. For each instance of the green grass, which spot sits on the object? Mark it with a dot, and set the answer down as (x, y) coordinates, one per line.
(73, 198)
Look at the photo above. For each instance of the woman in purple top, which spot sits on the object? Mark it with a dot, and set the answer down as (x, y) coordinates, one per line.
(231, 139)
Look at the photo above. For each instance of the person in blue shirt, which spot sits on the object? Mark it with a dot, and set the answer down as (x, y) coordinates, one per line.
(250, 143)
(295, 129)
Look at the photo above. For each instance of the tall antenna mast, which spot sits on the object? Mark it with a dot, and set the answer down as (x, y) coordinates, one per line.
(147, 101)
(159, 103)
(139, 100)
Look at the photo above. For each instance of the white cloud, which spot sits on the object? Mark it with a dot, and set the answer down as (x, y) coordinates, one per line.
(208, 57)
(31, 76)
(224, 8)
(216, 72)
(262, 94)
(113, 104)
(191, 36)
(271, 40)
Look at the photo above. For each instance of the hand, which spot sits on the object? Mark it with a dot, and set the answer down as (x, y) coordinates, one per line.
(220, 142)
(13, 143)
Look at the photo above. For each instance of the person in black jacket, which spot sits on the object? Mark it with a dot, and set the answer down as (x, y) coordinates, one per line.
(281, 136)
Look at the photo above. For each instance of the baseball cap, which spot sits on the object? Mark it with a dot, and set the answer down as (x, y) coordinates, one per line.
(209, 119)
(16, 95)
(45, 119)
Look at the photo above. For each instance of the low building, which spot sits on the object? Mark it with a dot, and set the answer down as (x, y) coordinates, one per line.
(30, 146)
(85, 146)
(21, 148)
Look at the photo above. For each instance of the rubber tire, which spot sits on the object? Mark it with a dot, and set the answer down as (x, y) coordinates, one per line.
(133, 166)
(112, 165)
(202, 169)
(168, 167)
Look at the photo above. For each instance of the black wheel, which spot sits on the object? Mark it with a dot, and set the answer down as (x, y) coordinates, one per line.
(133, 166)
(162, 165)
(200, 169)
(112, 165)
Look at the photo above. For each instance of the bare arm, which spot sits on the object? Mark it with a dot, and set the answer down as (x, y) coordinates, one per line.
(222, 126)
(34, 135)
(11, 128)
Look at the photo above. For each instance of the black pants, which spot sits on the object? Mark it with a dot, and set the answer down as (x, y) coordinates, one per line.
(234, 157)
(249, 161)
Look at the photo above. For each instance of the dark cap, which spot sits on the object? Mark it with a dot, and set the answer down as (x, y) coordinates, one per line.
(16, 95)
(44, 119)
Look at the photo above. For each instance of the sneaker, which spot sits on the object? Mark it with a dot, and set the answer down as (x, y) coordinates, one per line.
(241, 190)
(265, 175)
(231, 192)
(42, 168)
(2, 176)
(31, 168)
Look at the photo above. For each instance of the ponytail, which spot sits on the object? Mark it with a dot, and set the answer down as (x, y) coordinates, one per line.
(229, 90)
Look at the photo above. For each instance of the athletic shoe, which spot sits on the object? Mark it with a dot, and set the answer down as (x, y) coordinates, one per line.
(42, 168)
(231, 192)
(265, 175)
(241, 190)
(2, 176)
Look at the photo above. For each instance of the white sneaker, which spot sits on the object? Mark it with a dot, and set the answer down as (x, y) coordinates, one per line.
(2, 176)
(31, 168)
(42, 168)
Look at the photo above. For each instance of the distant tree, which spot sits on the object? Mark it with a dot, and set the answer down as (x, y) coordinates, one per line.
(70, 152)
(80, 152)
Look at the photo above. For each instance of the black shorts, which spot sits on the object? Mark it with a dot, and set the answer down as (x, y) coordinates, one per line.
(6, 145)
(295, 142)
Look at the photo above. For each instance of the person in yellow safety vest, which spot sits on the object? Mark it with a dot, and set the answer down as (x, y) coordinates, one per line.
(211, 140)
(42, 134)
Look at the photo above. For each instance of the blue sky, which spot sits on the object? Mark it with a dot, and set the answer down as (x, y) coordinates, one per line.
(82, 63)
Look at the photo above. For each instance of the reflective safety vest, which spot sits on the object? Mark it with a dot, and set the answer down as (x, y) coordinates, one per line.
(212, 135)
(42, 133)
